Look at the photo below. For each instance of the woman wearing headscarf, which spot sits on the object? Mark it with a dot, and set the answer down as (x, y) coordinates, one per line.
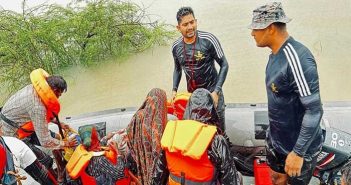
(193, 149)
(144, 134)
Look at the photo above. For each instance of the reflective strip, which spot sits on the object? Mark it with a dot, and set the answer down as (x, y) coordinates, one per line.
(297, 71)
(188, 182)
(214, 41)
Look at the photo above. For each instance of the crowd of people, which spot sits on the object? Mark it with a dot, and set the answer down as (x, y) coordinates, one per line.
(153, 150)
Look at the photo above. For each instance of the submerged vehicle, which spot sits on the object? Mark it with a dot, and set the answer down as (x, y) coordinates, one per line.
(246, 126)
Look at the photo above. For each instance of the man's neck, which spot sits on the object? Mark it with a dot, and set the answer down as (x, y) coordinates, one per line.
(189, 40)
(279, 41)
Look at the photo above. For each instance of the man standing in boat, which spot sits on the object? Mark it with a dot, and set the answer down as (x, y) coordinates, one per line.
(294, 137)
(196, 52)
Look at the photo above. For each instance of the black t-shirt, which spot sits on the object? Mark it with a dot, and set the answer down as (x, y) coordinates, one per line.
(294, 103)
(197, 61)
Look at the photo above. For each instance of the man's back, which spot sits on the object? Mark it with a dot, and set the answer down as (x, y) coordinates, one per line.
(20, 107)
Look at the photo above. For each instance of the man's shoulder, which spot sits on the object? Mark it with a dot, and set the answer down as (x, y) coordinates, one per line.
(207, 36)
(203, 33)
(295, 48)
(177, 42)
(209, 40)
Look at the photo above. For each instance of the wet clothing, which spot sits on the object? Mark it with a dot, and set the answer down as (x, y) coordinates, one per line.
(294, 104)
(276, 161)
(221, 110)
(201, 108)
(144, 134)
(24, 106)
(198, 63)
(218, 154)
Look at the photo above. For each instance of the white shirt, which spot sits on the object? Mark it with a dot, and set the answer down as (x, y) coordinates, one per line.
(23, 156)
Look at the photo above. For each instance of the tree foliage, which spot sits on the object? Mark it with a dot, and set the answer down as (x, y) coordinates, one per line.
(54, 37)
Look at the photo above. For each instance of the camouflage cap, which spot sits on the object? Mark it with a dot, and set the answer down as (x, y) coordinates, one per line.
(267, 14)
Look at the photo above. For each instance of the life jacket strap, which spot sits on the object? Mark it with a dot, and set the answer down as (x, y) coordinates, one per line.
(12, 123)
(175, 180)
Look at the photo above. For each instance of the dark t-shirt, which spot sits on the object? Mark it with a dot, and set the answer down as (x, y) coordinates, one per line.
(197, 61)
(294, 103)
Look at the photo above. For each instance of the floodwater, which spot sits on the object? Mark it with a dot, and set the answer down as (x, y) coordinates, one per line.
(323, 26)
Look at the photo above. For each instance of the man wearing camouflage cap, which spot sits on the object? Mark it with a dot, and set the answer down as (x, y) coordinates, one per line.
(294, 136)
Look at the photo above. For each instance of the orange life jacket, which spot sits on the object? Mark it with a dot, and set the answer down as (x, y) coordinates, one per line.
(80, 159)
(179, 104)
(185, 143)
(47, 96)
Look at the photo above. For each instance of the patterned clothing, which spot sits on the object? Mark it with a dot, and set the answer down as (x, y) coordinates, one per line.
(104, 171)
(26, 106)
(145, 132)
(101, 168)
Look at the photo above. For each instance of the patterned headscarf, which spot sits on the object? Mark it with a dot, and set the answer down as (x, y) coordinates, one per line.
(145, 132)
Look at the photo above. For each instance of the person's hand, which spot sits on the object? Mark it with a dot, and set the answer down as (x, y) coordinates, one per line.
(71, 142)
(58, 136)
(114, 146)
(109, 135)
(215, 98)
(174, 93)
(293, 164)
(65, 126)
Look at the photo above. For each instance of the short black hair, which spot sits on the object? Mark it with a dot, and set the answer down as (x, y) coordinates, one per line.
(183, 11)
(346, 173)
(280, 25)
(57, 82)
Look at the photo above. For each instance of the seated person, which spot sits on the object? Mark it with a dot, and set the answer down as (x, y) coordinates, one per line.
(93, 163)
(193, 149)
(144, 134)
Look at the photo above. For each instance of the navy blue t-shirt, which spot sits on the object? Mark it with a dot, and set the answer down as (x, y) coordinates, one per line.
(294, 104)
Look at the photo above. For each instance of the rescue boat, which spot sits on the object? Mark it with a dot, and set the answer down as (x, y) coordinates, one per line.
(246, 126)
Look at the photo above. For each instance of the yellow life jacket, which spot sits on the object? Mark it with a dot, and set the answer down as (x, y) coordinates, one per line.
(189, 137)
(185, 143)
(81, 157)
